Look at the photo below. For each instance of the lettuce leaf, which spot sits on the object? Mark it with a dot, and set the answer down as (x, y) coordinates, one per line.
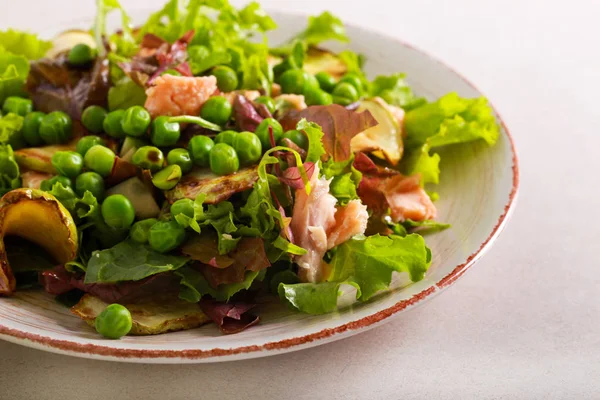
(194, 285)
(124, 94)
(394, 90)
(201, 58)
(10, 130)
(13, 73)
(366, 263)
(24, 44)
(129, 261)
(345, 180)
(451, 120)
(322, 28)
(9, 170)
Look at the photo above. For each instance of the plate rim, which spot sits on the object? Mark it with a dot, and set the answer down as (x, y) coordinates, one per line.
(89, 350)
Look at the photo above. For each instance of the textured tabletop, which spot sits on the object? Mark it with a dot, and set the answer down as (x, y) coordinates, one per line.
(524, 323)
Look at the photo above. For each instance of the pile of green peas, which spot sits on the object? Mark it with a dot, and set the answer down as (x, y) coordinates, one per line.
(322, 88)
(38, 128)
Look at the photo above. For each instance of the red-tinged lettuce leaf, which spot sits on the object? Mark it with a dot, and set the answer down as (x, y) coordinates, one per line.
(204, 248)
(230, 317)
(367, 166)
(338, 124)
(54, 86)
(245, 115)
(58, 281)
(292, 177)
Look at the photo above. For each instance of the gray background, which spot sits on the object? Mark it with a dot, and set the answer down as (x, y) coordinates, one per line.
(523, 323)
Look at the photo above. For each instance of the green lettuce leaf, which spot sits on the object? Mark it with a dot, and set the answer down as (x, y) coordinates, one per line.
(451, 120)
(345, 180)
(24, 44)
(194, 285)
(124, 94)
(394, 90)
(201, 58)
(422, 161)
(322, 28)
(13, 73)
(129, 261)
(366, 263)
(315, 142)
(9, 170)
(253, 17)
(10, 130)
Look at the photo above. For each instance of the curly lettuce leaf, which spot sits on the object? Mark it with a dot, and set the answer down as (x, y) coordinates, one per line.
(394, 90)
(24, 44)
(129, 261)
(367, 264)
(10, 130)
(450, 120)
(13, 73)
(9, 170)
(322, 28)
(422, 161)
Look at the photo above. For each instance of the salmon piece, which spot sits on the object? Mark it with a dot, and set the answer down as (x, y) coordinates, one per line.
(179, 95)
(275, 90)
(33, 179)
(350, 220)
(318, 225)
(407, 199)
(312, 216)
(295, 101)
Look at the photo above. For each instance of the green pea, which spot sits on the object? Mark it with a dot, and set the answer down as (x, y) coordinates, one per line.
(31, 128)
(17, 141)
(342, 101)
(81, 54)
(118, 212)
(224, 159)
(148, 157)
(326, 81)
(346, 91)
(354, 80)
(298, 137)
(164, 133)
(87, 142)
(183, 206)
(227, 79)
(248, 148)
(47, 184)
(166, 236)
(112, 124)
(17, 105)
(90, 181)
(99, 159)
(293, 80)
(318, 97)
(200, 147)
(171, 72)
(68, 163)
(93, 118)
(182, 158)
(136, 121)
(140, 230)
(216, 110)
(267, 101)
(262, 131)
(56, 127)
(114, 322)
(226, 137)
(167, 178)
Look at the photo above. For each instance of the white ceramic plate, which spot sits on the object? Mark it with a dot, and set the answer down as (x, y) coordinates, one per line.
(478, 188)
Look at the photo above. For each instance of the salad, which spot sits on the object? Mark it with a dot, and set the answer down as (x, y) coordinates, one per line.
(164, 176)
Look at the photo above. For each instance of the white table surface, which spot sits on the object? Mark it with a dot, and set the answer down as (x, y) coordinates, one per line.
(523, 324)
